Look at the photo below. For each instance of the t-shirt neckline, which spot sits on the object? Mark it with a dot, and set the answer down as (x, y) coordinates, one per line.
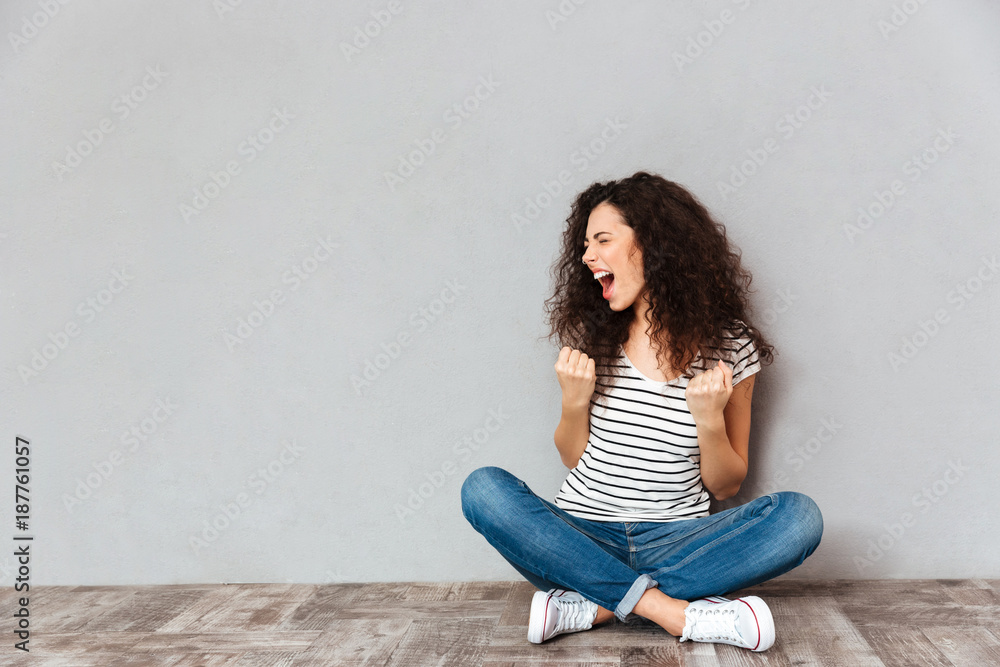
(643, 376)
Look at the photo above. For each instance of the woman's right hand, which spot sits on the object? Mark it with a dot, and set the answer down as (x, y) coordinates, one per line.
(577, 377)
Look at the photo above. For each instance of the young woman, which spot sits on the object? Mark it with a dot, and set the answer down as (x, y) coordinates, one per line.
(657, 371)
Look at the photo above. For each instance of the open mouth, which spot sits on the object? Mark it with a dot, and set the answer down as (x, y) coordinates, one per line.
(607, 284)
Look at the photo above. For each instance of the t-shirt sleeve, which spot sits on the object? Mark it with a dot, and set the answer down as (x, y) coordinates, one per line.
(744, 357)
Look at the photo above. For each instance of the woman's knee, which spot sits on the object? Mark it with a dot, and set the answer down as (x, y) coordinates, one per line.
(803, 516)
(480, 486)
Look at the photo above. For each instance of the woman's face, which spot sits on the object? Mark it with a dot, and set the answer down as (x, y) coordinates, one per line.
(606, 248)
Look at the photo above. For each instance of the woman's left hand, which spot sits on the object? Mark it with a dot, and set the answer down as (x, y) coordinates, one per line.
(707, 393)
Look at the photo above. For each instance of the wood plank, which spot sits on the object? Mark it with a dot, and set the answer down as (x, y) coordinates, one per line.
(965, 646)
(550, 663)
(461, 590)
(552, 652)
(733, 656)
(316, 612)
(251, 607)
(458, 642)
(51, 661)
(970, 591)
(697, 654)
(216, 597)
(227, 642)
(355, 642)
(63, 644)
(903, 646)
(517, 611)
(202, 660)
(268, 659)
(481, 590)
(652, 656)
(427, 592)
(383, 591)
(149, 609)
(613, 633)
(815, 631)
(69, 610)
(945, 613)
(491, 609)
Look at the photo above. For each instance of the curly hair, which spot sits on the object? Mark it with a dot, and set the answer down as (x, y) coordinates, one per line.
(697, 288)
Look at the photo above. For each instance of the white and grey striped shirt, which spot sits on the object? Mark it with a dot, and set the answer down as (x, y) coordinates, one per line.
(642, 461)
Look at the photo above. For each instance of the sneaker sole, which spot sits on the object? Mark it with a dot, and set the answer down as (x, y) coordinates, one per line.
(536, 622)
(765, 622)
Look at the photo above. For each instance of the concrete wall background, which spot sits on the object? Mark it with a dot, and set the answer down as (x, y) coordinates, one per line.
(141, 227)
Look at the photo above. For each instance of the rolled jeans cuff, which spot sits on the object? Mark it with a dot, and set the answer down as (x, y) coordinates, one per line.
(640, 586)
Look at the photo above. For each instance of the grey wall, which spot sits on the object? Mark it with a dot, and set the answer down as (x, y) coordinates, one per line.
(197, 411)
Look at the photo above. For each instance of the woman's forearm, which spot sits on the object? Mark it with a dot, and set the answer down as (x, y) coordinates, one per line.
(722, 469)
(573, 433)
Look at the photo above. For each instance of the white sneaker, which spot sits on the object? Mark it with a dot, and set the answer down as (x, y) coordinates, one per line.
(744, 622)
(557, 612)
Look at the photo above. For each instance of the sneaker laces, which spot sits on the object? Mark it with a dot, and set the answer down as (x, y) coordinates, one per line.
(574, 614)
(712, 624)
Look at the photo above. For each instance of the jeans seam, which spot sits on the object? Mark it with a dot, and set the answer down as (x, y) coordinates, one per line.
(670, 540)
(577, 528)
(727, 536)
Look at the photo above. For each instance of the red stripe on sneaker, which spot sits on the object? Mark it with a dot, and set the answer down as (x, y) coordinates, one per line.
(545, 616)
(755, 621)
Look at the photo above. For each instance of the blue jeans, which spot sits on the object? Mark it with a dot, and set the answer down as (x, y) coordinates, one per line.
(614, 563)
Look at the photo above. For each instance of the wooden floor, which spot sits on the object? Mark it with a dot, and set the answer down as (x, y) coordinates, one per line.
(855, 623)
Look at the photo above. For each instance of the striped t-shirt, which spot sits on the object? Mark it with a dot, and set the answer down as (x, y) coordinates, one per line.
(642, 459)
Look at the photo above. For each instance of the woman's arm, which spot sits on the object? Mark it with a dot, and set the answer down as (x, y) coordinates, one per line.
(724, 442)
(573, 433)
(721, 414)
(577, 378)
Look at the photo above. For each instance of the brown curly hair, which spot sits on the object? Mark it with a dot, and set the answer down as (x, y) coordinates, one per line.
(697, 288)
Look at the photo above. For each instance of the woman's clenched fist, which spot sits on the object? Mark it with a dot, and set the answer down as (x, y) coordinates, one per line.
(707, 393)
(577, 377)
